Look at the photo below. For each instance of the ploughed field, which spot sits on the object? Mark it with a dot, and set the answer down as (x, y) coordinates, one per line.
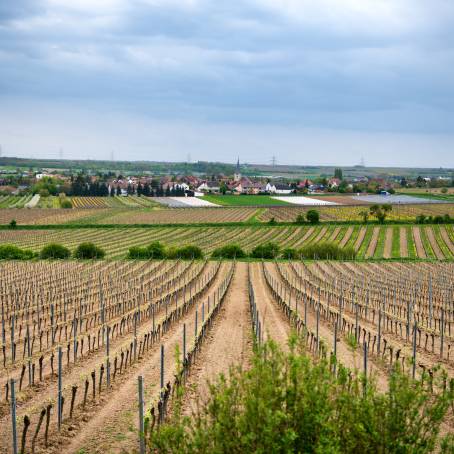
(373, 241)
(112, 318)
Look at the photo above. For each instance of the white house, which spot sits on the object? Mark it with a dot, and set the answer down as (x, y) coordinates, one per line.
(183, 186)
(278, 189)
(208, 186)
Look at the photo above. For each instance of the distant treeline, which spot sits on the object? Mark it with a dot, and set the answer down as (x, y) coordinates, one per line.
(164, 168)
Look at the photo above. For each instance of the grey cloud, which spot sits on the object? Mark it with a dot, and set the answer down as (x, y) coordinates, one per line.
(254, 63)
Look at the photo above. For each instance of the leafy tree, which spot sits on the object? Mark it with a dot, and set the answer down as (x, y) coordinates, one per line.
(12, 252)
(313, 216)
(156, 250)
(12, 224)
(55, 251)
(229, 251)
(290, 254)
(365, 215)
(300, 219)
(380, 211)
(268, 250)
(88, 251)
(189, 252)
(338, 173)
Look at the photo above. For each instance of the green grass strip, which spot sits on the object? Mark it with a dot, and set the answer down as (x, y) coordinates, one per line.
(412, 254)
(380, 248)
(395, 251)
(425, 242)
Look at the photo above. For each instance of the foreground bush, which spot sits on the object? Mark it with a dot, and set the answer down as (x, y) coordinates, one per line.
(11, 252)
(55, 251)
(329, 251)
(268, 250)
(89, 251)
(230, 251)
(288, 402)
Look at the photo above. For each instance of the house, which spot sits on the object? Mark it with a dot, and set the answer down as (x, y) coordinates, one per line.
(278, 188)
(334, 182)
(253, 188)
(209, 186)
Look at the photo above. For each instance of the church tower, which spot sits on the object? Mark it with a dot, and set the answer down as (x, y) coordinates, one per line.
(237, 174)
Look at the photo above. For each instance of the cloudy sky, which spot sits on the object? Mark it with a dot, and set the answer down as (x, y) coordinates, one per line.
(309, 82)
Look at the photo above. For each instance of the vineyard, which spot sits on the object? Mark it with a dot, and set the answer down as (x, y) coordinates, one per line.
(355, 213)
(75, 347)
(138, 210)
(371, 242)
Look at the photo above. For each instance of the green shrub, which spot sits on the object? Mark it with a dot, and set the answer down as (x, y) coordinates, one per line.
(329, 251)
(229, 251)
(189, 252)
(12, 252)
(268, 250)
(420, 219)
(272, 221)
(300, 219)
(88, 251)
(313, 216)
(156, 250)
(55, 251)
(12, 224)
(137, 252)
(66, 203)
(288, 402)
(290, 254)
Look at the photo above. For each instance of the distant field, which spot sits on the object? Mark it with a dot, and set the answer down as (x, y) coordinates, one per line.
(432, 194)
(243, 200)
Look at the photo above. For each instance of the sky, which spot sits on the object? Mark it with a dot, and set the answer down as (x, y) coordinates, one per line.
(324, 82)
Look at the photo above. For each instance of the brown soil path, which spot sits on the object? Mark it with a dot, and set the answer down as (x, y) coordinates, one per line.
(418, 243)
(446, 239)
(359, 240)
(433, 243)
(373, 243)
(387, 251)
(335, 234)
(403, 242)
(229, 342)
(304, 237)
(274, 322)
(346, 237)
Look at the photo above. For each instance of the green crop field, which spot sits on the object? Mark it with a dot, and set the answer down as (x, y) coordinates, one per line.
(243, 200)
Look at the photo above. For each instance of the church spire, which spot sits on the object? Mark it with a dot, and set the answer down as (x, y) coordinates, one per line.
(237, 175)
